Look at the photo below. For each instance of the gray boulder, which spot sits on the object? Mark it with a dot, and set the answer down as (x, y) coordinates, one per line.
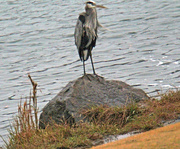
(87, 91)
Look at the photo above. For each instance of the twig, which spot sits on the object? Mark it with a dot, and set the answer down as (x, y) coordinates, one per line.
(34, 84)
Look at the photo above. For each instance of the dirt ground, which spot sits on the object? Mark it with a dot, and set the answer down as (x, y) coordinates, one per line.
(167, 137)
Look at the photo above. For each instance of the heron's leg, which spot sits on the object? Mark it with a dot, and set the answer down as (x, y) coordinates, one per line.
(84, 66)
(85, 70)
(92, 63)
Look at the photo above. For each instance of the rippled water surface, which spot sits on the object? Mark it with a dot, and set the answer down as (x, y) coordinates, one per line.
(140, 47)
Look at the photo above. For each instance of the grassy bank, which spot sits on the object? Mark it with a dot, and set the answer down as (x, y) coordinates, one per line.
(104, 121)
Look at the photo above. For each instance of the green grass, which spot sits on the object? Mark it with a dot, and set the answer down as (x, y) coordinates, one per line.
(103, 121)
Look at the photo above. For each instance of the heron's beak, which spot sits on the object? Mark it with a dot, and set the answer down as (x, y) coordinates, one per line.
(101, 6)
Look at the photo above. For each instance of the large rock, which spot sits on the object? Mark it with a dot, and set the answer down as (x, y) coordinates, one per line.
(87, 91)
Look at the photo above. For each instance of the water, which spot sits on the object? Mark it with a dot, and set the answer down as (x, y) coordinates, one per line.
(141, 47)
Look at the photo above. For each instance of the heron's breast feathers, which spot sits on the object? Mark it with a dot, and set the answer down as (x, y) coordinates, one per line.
(86, 30)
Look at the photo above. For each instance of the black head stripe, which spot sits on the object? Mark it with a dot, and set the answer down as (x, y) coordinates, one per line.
(90, 3)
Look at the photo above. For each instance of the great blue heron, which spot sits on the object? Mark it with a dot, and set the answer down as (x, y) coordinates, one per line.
(86, 32)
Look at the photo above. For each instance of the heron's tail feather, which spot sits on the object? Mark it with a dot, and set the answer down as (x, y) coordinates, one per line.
(86, 54)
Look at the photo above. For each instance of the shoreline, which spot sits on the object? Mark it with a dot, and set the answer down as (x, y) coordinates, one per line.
(149, 139)
(114, 138)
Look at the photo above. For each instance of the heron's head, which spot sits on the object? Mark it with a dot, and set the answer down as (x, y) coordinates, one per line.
(92, 4)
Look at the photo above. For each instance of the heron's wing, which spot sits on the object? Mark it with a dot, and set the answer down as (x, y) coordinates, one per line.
(91, 25)
(79, 30)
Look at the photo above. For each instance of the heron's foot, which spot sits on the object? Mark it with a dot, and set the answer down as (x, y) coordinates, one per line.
(94, 73)
(86, 75)
(99, 78)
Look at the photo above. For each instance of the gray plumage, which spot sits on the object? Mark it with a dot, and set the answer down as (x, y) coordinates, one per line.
(86, 32)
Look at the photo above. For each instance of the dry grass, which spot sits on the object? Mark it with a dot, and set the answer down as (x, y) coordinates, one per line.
(26, 121)
(104, 114)
(103, 121)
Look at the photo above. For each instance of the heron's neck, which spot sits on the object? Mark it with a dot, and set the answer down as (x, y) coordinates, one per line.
(91, 11)
(91, 20)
